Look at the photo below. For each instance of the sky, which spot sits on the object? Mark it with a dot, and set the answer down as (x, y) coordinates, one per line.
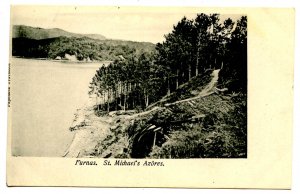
(126, 23)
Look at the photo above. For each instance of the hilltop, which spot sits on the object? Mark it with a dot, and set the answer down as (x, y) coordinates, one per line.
(22, 31)
(55, 43)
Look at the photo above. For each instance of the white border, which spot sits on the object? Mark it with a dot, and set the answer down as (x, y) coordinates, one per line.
(4, 40)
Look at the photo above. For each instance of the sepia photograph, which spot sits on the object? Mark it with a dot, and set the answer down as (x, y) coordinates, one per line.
(150, 96)
(114, 84)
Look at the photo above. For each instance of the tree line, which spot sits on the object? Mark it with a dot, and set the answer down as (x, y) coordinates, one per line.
(193, 47)
(83, 48)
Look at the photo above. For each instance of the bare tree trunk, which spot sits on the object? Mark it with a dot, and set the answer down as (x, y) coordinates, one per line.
(197, 66)
(145, 97)
(125, 94)
(102, 101)
(108, 98)
(177, 78)
(97, 103)
(147, 100)
(190, 71)
(139, 98)
(169, 91)
(133, 102)
(125, 102)
(120, 88)
(197, 54)
(116, 99)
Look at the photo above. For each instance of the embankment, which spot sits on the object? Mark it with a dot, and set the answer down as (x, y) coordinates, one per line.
(198, 120)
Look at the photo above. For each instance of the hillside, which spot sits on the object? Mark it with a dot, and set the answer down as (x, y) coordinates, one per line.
(198, 120)
(83, 48)
(55, 43)
(186, 100)
(22, 31)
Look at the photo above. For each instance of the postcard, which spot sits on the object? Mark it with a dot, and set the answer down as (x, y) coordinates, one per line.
(181, 97)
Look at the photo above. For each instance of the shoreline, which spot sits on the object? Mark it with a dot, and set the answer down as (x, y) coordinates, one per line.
(63, 60)
(63, 96)
(88, 130)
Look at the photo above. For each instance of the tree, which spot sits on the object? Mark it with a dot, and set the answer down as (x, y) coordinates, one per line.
(236, 68)
(189, 50)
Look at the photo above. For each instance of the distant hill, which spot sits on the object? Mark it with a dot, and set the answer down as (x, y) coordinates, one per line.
(83, 49)
(22, 31)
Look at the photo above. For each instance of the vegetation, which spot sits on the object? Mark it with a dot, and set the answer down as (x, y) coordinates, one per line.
(193, 47)
(208, 126)
(22, 31)
(187, 98)
(189, 95)
(83, 48)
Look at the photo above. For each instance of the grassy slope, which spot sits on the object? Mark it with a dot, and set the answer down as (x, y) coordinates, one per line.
(209, 127)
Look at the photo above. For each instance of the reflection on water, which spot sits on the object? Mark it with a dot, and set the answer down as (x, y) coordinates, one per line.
(44, 97)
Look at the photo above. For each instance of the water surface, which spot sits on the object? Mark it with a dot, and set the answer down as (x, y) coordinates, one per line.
(44, 97)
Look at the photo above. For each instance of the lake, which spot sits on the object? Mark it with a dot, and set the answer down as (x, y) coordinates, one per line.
(44, 97)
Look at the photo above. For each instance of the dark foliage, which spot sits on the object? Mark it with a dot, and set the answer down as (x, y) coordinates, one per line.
(214, 126)
(83, 48)
(192, 48)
